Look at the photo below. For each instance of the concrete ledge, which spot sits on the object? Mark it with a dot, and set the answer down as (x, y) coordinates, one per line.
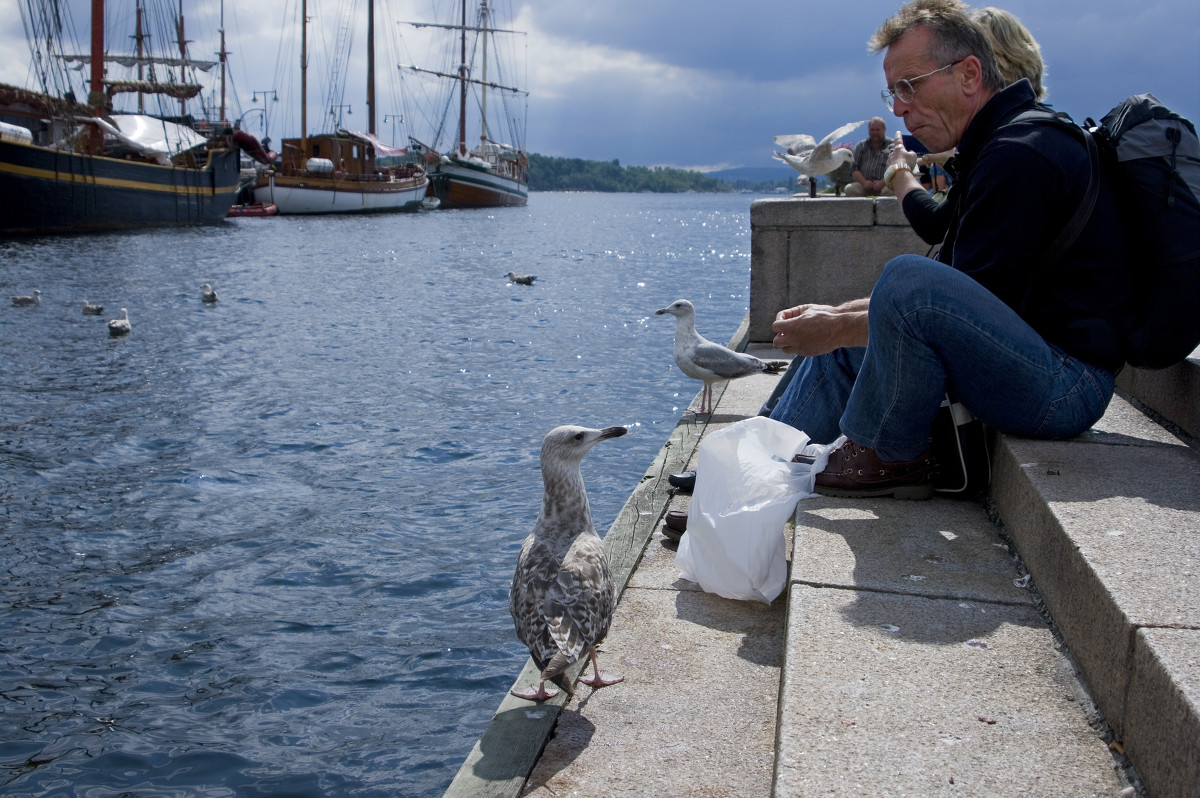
(1164, 704)
(1109, 527)
(1169, 392)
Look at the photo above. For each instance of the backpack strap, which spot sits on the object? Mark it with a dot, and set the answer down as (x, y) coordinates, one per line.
(1071, 230)
(1074, 227)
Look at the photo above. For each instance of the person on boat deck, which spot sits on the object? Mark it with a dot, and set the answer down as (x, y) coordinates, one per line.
(1029, 350)
(870, 161)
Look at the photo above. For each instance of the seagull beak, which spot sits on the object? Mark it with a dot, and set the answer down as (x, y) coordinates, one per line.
(660, 311)
(612, 432)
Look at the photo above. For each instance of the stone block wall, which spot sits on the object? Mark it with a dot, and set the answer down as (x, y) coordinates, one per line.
(827, 250)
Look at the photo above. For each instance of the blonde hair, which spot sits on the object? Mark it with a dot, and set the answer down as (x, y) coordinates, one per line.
(1016, 51)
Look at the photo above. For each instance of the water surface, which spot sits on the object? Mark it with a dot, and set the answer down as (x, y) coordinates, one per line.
(263, 547)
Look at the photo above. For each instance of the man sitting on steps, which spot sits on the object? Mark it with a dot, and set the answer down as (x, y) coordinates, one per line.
(1029, 350)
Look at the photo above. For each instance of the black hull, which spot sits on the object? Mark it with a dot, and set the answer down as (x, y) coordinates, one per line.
(48, 191)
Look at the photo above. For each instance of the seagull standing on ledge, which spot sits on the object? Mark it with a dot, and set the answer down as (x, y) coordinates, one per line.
(21, 301)
(522, 279)
(562, 596)
(701, 359)
(120, 326)
(207, 294)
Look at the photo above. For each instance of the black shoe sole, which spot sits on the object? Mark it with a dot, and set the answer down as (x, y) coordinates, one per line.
(685, 481)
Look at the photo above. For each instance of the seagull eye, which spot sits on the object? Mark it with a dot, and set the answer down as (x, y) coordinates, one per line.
(578, 436)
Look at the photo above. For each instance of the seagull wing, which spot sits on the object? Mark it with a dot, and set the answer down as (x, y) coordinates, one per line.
(724, 362)
(578, 606)
(795, 143)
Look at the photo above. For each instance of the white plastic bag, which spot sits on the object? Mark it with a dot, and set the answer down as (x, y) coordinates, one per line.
(746, 490)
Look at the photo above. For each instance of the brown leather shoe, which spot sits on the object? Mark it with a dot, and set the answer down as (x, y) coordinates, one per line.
(857, 472)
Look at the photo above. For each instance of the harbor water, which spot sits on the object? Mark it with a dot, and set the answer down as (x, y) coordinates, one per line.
(263, 546)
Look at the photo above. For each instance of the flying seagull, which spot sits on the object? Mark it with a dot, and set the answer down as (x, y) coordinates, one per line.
(522, 279)
(810, 158)
(92, 310)
(701, 359)
(22, 301)
(562, 595)
(120, 326)
(207, 293)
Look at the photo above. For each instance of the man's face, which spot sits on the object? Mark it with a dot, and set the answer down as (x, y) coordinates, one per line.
(876, 132)
(938, 112)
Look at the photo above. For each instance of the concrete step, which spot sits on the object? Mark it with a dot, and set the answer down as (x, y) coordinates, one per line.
(915, 665)
(1172, 393)
(1108, 524)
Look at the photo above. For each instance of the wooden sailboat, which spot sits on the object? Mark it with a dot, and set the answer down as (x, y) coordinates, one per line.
(493, 173)
(66, 167)
(343, 172)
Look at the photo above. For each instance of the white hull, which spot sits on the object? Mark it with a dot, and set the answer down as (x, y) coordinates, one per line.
(310, 199)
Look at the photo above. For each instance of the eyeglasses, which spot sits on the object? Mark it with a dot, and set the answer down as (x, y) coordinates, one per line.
(904, 89)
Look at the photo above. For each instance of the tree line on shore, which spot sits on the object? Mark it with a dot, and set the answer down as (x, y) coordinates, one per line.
(575, 174)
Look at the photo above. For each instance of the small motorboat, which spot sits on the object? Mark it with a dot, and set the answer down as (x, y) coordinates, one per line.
(255, 209)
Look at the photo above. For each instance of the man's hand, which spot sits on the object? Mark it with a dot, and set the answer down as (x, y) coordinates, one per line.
(808, 330)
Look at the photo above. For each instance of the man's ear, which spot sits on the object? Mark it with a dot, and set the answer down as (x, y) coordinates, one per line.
(970, 75)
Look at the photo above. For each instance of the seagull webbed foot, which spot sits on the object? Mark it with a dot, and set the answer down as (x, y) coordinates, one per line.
(539, 693)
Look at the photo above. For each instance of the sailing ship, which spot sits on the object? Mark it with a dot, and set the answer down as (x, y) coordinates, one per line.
(493, 173)
(343, 172)
(69, 167)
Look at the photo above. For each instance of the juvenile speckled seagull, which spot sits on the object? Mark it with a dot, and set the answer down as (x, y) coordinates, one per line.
(522, 279)
(701, 359)
(92, 310)
(21, 301)
(562, 594)
(120, 326)
(207, 293)
(810, 158)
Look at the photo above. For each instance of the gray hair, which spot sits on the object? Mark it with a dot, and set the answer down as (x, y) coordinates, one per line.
(954, 35)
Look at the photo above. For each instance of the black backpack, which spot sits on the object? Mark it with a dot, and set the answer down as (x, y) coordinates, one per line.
(1153, 156)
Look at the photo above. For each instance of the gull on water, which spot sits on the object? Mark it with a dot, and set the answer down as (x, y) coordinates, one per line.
(810, 158)
(207, 293)
(92, 310)
(701, 359)
(21, 301)
(120, 326)
(562, 596)
(522, 279)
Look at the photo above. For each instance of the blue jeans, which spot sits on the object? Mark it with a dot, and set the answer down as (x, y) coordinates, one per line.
(935, 330)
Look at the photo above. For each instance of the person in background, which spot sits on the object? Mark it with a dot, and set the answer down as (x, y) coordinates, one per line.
(1029, 351)
(870, 162)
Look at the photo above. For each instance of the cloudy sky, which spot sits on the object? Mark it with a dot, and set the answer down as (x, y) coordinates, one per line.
(698, 84)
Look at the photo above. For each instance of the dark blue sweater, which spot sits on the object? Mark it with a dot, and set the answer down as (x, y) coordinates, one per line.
(1017, 185)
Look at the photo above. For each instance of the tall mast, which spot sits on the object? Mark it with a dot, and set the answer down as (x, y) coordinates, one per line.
(462, 82)
(183, 56)
(483, 24)
(224, 121)
(96, 87)
(303, 78)
(371, 67)
(139, 36)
